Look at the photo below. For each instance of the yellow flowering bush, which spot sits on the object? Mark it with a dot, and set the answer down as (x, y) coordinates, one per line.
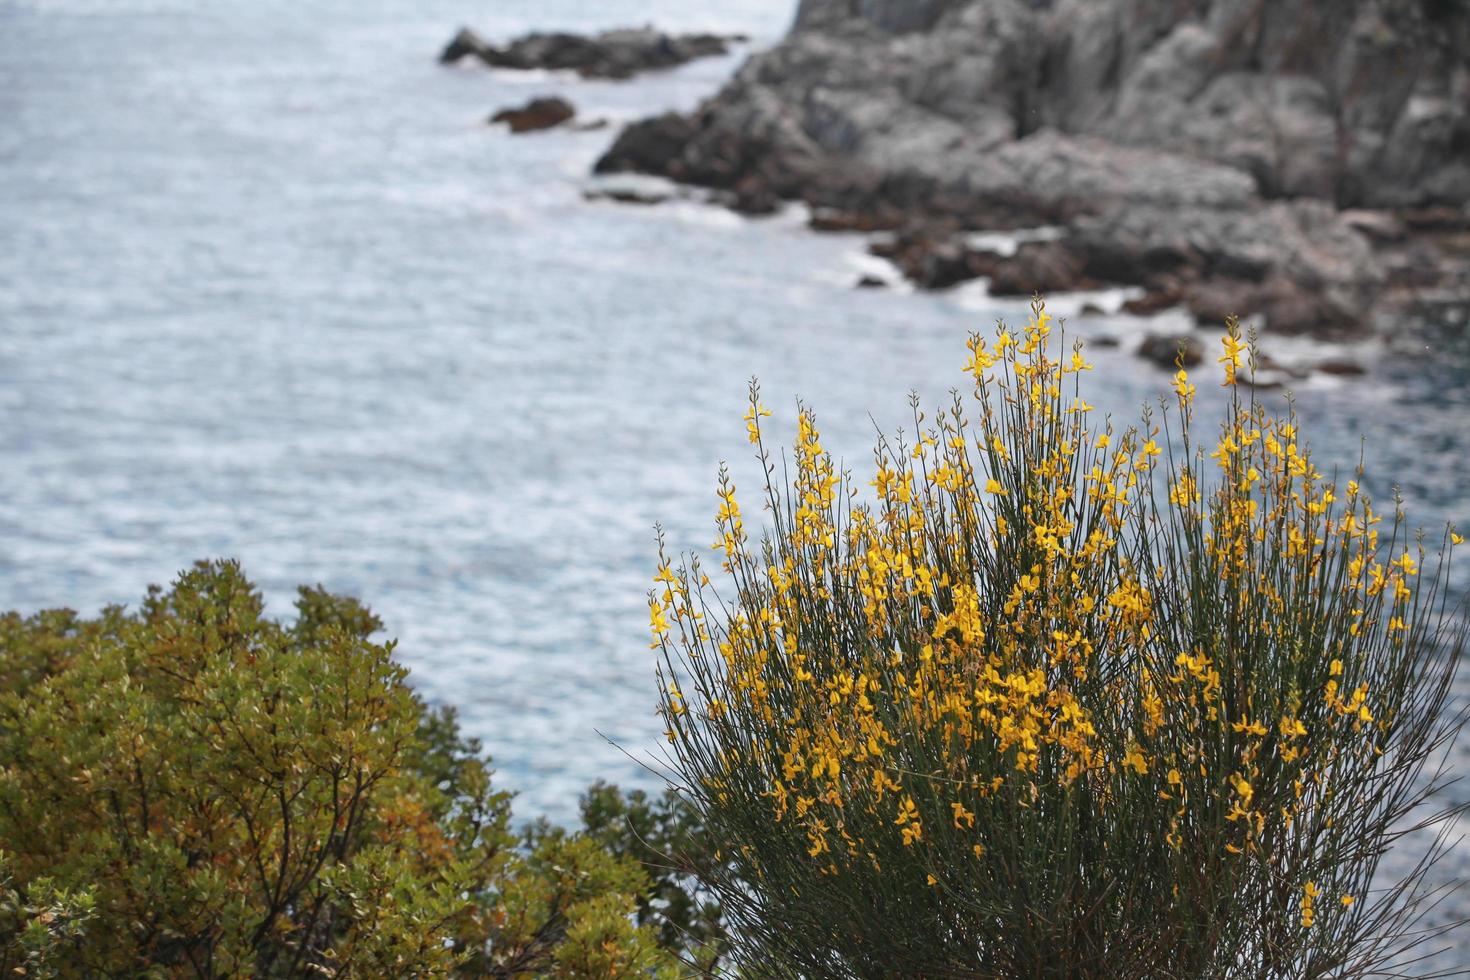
(1058, 698)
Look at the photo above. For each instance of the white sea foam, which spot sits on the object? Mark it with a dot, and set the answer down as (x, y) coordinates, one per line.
(1007, 242)
(703, 215)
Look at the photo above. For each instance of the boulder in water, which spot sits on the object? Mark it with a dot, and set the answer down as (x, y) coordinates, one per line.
(465, 44)
(537, 114)
(1169, 350)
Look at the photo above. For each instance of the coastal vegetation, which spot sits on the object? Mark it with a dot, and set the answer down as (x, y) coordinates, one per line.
(1048, 697)
(193, 789)
(1056, 698)
(1062, 699)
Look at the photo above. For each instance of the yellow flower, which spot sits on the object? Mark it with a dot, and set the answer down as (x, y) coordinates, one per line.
(1309, 893)
(1182, 387)
(753, 415)
(981, 359)
(1248, 727)
(656, 619)
(1231, 357)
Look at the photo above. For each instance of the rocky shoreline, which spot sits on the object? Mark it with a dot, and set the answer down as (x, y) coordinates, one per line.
(1305, 163)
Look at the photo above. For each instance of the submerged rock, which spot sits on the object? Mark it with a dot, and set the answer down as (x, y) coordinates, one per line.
(1151, 302)
(536, 114)
(621, 195)
(1167, 351)
(611, 54)
(1340, 367)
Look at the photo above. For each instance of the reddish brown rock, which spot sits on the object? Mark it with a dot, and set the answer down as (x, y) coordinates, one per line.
(1154, 301)
(536, 115)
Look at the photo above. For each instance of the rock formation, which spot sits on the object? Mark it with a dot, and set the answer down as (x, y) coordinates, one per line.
(1224, 153)
(611, 54)
(536, 114)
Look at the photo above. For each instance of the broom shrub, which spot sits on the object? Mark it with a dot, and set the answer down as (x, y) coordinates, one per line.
(1051, 698)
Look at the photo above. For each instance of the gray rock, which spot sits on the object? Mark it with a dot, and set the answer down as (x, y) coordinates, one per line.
(1040, 267)
(1181, 143)
(464, 44)
(611, 54)
(935, 257)
(1171, 350)
(1379, 227)
(1298, 263)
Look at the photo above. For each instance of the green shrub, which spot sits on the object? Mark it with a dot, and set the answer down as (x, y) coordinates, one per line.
(196, 790)
(1058, 700)
(666, 836)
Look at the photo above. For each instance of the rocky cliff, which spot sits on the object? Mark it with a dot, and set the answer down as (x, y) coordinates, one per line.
(1198, 147)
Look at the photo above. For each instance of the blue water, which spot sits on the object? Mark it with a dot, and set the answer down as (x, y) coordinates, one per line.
(270, 289)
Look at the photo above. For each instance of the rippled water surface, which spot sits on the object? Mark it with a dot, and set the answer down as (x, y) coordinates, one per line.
(270, 289)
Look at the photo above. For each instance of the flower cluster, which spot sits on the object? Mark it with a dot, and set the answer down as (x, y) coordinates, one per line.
(1056, 693)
